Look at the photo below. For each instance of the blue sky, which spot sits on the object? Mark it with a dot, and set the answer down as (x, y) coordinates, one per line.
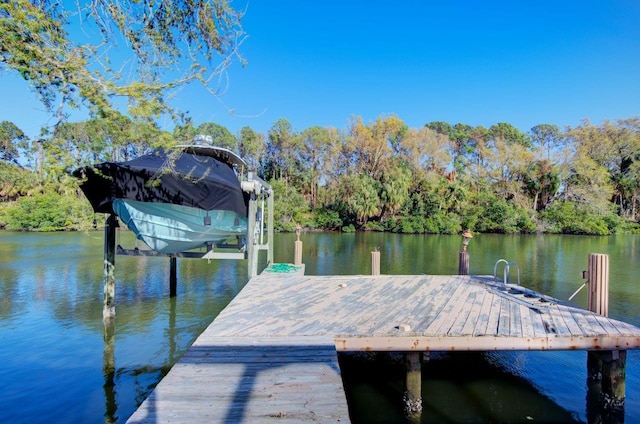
(476, 62)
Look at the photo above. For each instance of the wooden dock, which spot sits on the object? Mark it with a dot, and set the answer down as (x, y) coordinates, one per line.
(272, 352)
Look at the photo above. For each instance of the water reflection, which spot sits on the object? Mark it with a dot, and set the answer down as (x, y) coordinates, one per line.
(57, 355)
(456, 387)
(109, 371)
(109, 367)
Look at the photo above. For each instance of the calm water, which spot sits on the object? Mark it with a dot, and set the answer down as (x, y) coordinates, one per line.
(60, 364)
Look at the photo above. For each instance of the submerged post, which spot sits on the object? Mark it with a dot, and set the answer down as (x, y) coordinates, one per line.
(297, 254)
(463, 257)
(173, 276)
(606, 370)
(109, 304)
(375, 262)
(413, 387)
(109, 371)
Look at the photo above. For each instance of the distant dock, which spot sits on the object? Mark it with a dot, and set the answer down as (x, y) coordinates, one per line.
(271, 354)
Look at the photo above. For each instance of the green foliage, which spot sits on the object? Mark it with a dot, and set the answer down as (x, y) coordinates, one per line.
(15, 182)
(220, 135)
(374, 177)
(327, 219)
(48, 212)
(437, 223)
(361, 194)
(500, 216)
(509, 134)
(567, 217)
(349, 229)
(290, 207)
(251, 147)
(12, 139)
(410, 225)
(374, 226)
(627, 227)
(395, 184)
(172, 43)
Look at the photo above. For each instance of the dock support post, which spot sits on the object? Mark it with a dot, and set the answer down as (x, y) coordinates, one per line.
(463, 257)
(297, 253)
(413, 387)
(109, 304)
(606, 370)
(173, 276)
(598, 283)
(375, 262)
(463, 263)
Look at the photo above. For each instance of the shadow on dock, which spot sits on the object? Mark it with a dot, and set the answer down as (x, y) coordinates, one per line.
(255, 383)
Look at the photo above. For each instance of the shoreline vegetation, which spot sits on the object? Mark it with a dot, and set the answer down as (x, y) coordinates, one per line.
(380, 176)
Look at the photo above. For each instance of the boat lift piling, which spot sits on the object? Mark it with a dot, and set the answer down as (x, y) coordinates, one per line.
(258, 190)
(109, 304)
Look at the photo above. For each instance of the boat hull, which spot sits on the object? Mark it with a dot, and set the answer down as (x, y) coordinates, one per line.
(170, 228)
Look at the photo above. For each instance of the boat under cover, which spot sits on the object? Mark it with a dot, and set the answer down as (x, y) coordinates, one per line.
(169, 228)
(172, 201)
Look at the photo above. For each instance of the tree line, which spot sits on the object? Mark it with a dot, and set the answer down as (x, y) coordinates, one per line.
(376, 176)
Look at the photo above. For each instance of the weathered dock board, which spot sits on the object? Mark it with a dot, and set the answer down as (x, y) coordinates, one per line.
(423, 312)
(272, 352)
(253, 380)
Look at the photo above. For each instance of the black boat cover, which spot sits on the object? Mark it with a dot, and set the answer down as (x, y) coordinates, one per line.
(182, 179)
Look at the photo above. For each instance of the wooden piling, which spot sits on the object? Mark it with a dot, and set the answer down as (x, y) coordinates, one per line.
(375, 262)
(463, 257)
(598, 283)
(463, 263)
(297, 254)
(173, 276)
(606, 370)
(109, 304)
(413, 387)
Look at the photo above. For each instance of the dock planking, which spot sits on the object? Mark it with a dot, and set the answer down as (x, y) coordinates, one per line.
(256, 380)
(472, 313)
(272, 352)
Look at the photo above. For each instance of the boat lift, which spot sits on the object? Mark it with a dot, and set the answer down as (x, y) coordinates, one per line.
(253, 242)
(248, 248)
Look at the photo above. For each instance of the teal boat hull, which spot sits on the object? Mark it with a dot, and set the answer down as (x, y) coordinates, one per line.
(169, 228)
